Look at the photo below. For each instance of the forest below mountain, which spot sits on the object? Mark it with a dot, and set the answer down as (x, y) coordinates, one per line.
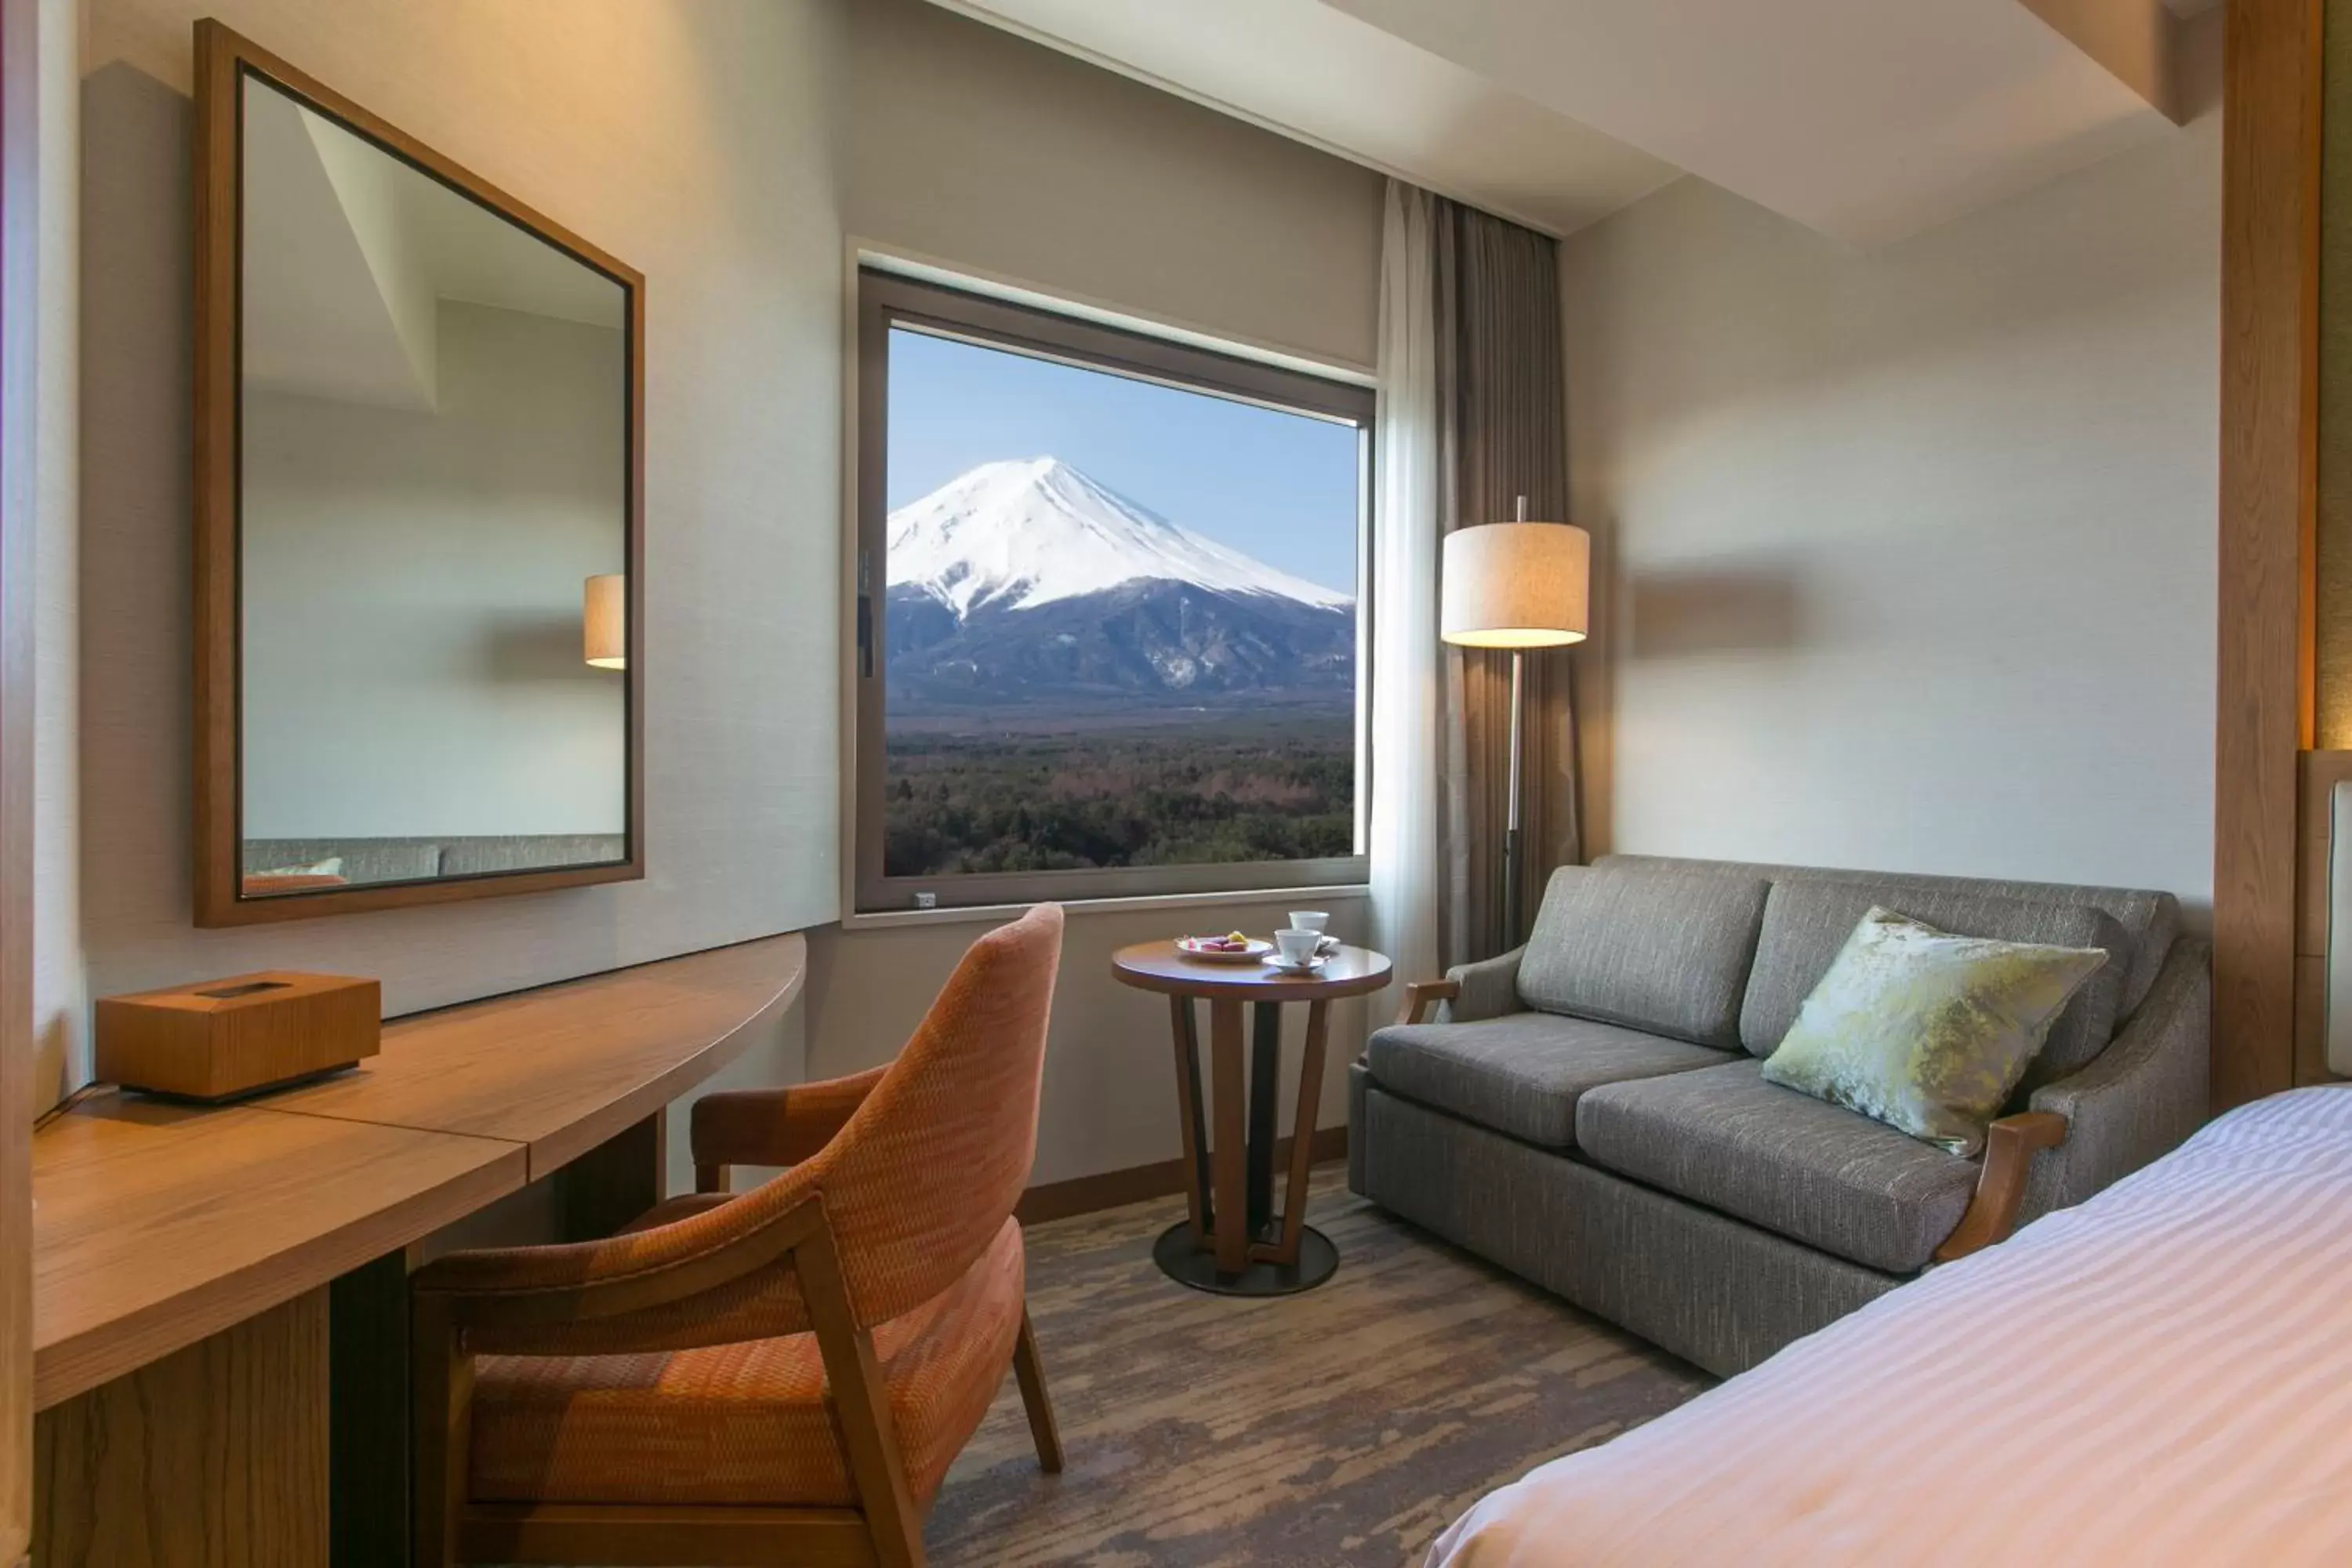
(1265, 786)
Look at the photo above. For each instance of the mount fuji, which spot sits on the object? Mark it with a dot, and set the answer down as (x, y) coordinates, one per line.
(1027, 583)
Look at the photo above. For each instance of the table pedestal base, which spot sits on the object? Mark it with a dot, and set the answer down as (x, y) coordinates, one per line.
(1186, 1264)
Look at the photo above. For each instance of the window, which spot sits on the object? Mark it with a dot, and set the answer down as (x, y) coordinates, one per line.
(1107, 638)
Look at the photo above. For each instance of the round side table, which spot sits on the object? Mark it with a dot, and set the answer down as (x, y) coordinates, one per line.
(1231, 1241)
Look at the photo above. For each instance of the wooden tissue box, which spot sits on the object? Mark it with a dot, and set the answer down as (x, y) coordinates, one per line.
(220, 1038)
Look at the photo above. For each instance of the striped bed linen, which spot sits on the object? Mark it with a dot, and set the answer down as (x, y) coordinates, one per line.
(2161, 1376)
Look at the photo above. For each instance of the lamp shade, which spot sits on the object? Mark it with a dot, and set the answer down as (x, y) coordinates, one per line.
(1516, 584)
(604, 622)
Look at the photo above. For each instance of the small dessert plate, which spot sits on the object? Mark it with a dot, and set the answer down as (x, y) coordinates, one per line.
(1197, 947)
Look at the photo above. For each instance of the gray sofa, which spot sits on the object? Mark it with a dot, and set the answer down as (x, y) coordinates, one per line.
(1588, 1111)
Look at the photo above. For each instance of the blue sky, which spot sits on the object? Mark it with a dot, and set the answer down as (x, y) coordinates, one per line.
(1279, 487)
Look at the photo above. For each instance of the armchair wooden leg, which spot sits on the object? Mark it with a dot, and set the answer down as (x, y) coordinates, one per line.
(862, 1403)
(1035, 1400)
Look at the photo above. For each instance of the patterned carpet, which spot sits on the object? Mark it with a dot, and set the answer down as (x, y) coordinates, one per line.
(1347, 1425)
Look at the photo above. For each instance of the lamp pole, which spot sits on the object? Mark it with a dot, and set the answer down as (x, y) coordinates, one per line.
(1511, 817)
(1511, 810)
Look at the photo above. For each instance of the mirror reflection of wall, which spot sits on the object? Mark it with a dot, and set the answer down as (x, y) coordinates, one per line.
(433, 450)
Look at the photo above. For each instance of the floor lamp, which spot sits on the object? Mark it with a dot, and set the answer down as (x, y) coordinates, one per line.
(1516, 586)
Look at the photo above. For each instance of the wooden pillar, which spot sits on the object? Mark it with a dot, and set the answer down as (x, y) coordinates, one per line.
(214, 1456)
(2270, 340)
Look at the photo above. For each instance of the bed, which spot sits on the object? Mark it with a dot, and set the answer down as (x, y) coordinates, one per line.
(2162, 1375)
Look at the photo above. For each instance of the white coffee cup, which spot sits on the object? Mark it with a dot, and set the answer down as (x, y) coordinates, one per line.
(1310, 920)
(1297, 945)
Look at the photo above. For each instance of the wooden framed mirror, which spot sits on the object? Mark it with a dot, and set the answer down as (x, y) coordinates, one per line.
(420, 520)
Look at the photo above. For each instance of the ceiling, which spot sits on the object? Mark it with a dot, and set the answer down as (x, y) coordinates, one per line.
(1318, 73)
(1863, 118)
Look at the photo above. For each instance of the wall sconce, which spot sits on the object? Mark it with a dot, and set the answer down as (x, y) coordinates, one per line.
(604, 622)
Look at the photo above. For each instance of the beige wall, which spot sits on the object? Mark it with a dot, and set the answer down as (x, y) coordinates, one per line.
(996, 156)
(988, 154)
(1908, 555)
(40, 468)
(729, 147)
(695, 140)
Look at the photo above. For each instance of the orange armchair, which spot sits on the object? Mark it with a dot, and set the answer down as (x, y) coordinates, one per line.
(779, 1375)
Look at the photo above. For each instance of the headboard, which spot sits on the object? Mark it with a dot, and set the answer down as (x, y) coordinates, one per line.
(2337, 1005)
(2323, 923)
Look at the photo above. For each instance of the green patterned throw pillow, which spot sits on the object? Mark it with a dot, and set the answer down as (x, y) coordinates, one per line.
(1925, 1031)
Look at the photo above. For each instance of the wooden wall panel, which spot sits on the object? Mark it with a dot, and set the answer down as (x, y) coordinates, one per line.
(214, 1456)
(2332, 527)
(2270, 231)
(21, 45)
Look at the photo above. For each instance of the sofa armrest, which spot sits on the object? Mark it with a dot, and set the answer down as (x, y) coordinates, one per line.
(1487, 989)
(2140, 1097)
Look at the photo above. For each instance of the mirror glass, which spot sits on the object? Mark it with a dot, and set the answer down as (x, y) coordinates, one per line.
(433, 525)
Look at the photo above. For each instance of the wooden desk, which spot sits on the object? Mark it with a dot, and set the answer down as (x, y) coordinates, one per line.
(184, 1258)
(566, 1068)
(158, 1225)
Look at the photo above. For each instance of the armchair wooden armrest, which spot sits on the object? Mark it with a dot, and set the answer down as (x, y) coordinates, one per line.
(771, 1126)
(1420, 994)
(2010, 1146)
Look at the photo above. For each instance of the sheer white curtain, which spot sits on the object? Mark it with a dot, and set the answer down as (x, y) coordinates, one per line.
(1405, 652)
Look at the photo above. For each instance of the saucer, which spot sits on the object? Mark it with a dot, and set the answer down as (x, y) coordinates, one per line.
(1190, 946)
(1276, 960)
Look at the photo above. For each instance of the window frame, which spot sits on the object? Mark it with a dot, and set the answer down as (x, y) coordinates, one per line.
(887, 300)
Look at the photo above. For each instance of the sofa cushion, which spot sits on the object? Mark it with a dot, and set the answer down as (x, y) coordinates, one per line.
(2150, 919)
(1925, 1031)
(1810, 1170)
(1806, 923)
(1655, 948)
(1521, 1074)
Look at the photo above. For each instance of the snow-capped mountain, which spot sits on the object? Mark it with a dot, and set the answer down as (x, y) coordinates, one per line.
(1014, 535)
(1027, 583)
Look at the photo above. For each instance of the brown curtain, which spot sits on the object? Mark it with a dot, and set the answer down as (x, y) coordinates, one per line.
(1502, 434)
